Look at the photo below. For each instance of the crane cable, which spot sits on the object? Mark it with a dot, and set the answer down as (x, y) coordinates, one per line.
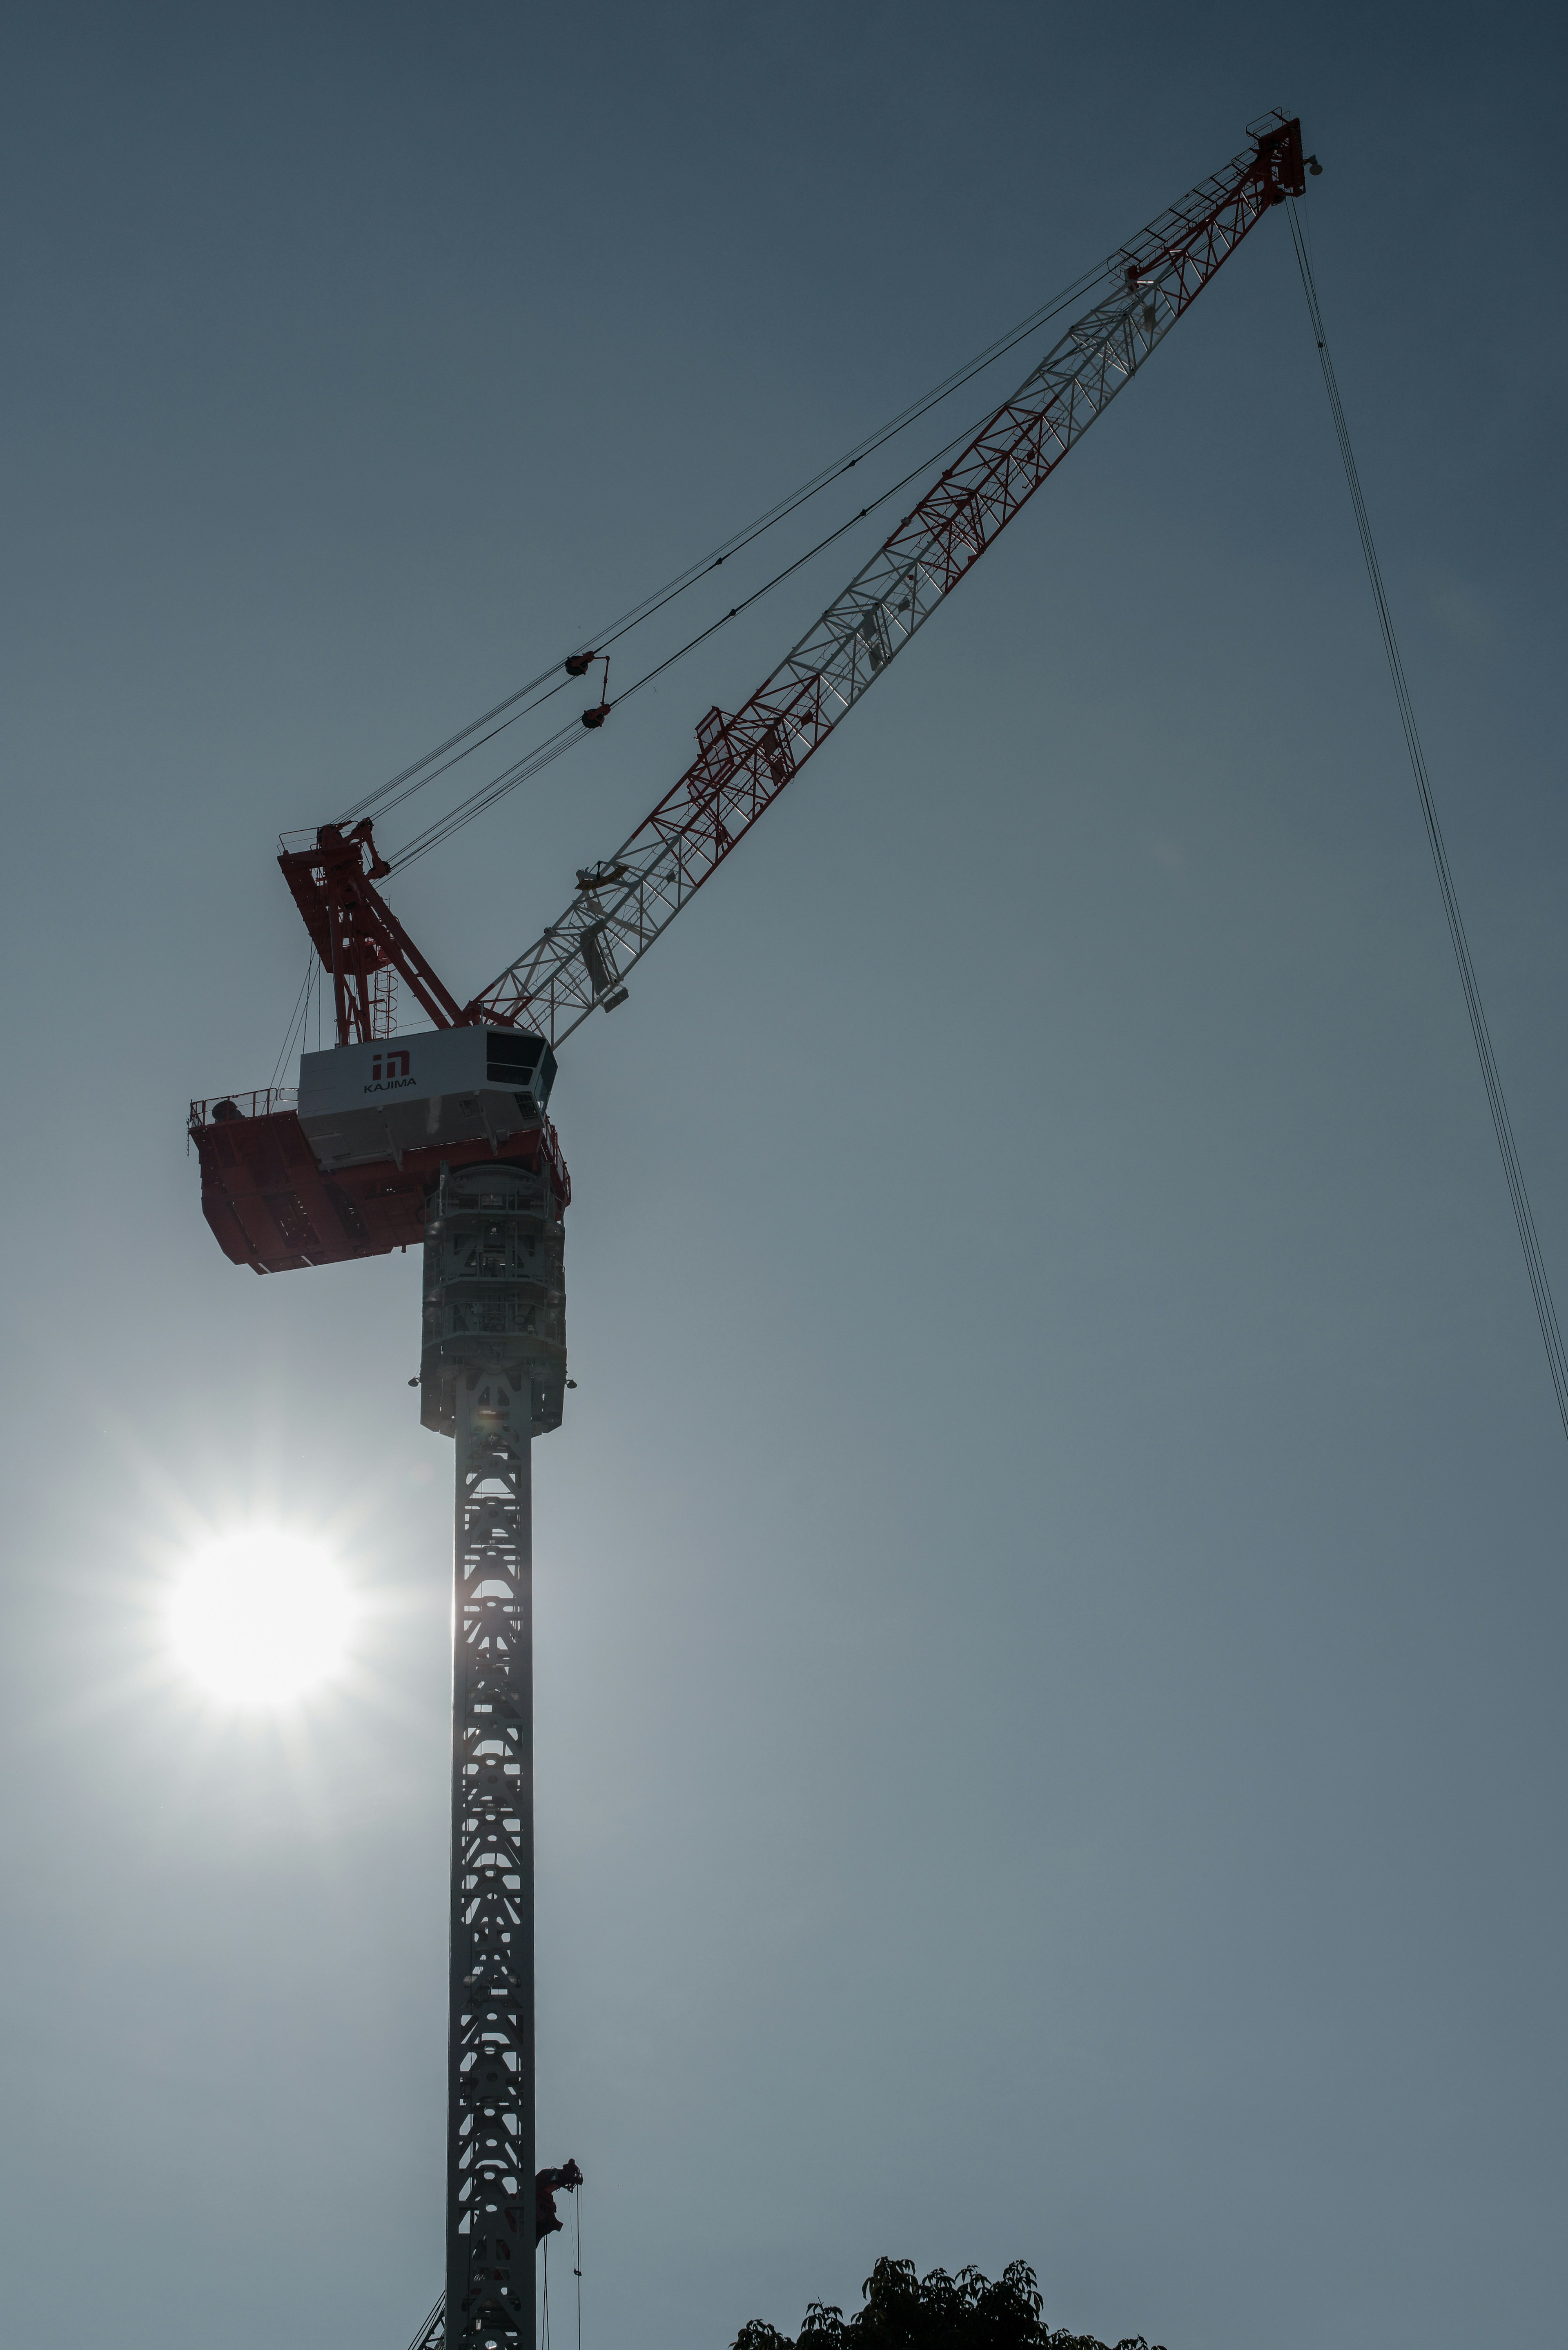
(659, 596)
(1513, 1168)
(577, 2264)
(532, 762)
(553, 746)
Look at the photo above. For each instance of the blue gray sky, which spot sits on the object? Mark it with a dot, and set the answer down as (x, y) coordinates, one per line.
(1050, 1593)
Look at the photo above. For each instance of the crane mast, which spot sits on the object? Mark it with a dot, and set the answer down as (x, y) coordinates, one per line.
(441, 1138)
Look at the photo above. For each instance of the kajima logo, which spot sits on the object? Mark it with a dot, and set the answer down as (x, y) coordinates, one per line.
(389, 1068)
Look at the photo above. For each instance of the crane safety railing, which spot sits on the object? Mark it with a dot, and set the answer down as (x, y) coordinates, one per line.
(263, 1103)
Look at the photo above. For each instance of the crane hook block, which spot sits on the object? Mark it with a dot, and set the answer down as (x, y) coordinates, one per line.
(579, 664)
(596, 717)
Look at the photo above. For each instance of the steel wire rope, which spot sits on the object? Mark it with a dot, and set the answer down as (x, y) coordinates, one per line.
(487, 795)
(533, 763)
(659, 596)
(1492, 1078)
(299, 1018)
(422, 2336)
(447, 766)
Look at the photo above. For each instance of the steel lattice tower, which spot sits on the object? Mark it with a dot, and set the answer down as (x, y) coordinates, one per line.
(494, 1367)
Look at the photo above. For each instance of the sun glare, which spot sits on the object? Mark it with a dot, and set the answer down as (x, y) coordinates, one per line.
(260, 1616)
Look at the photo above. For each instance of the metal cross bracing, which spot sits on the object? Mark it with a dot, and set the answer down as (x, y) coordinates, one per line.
(490, 2052)
(745, 760)
(491, 1368)
(357, 937)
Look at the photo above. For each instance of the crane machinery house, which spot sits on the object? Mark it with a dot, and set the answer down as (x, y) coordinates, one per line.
(346, 1167)
(362, 1103)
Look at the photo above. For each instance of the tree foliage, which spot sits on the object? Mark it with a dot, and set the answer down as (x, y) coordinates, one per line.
(905, 2311)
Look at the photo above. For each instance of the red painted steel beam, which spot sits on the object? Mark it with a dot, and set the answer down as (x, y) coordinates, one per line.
(354, 932)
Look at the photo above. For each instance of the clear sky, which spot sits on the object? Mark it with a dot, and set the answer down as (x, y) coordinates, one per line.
(1050, 1593)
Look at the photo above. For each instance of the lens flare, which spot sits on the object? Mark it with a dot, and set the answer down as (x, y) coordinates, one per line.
(259, 1616)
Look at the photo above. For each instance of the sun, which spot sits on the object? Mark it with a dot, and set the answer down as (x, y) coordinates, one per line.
(261, 1615)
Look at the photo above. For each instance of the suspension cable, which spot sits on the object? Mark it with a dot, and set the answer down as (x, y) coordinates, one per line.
(552, 748)
(1513, 1168)
(659, 596)
(298, 1018)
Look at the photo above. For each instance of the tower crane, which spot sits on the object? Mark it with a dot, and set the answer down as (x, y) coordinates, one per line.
(442, 1137)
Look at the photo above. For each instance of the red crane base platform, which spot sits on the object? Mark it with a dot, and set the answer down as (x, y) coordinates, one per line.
(270, 1206)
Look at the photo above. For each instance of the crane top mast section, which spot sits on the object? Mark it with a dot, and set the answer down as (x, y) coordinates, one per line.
(356, 935)
(745, 759)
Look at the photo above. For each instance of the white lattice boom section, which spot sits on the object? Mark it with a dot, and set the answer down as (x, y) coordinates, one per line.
(745, 760)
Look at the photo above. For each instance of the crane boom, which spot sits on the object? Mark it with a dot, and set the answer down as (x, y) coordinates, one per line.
(744, 760)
